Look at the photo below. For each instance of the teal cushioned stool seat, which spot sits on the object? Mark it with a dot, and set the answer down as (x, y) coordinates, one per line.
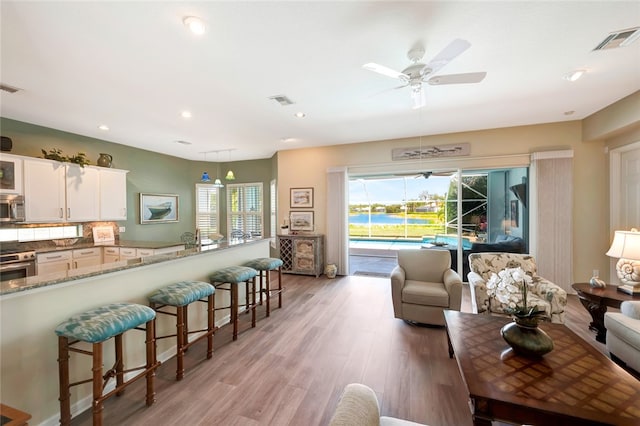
(228, 279)
(264, 266)
(105, 322)
(95, 327)
(180, 295)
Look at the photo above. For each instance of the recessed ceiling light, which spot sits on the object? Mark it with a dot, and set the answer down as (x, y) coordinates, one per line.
(103, 127)
(184, 142)
(300, 114)
(195, 24)
(287, 140)
(574, 75)
(186, 114)
(569, 112)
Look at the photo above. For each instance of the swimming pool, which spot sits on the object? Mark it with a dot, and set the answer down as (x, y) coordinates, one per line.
(403, 244)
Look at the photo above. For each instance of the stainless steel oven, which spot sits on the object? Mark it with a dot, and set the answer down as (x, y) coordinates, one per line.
(17, 265)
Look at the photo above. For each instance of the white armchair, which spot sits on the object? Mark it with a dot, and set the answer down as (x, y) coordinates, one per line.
(423, 285)
(358, 406)
(623, 333)
(545, 295)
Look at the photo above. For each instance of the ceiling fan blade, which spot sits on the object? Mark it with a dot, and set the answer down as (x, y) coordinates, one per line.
(470, 77)
(455, 48)
(385, 71)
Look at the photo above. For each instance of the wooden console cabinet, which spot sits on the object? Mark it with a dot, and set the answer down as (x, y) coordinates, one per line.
(302, 254)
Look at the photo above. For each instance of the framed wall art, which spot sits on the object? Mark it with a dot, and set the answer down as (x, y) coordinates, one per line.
(158, 208)
(301, 198)
(301, 221)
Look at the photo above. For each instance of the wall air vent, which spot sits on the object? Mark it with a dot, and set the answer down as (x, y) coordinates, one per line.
(8, 88)
(619, 39)
(282, 100)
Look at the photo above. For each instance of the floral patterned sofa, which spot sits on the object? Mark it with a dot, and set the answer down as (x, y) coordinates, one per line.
(544, 294)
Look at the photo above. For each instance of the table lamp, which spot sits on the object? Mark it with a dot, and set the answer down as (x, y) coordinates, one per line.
(626, 247)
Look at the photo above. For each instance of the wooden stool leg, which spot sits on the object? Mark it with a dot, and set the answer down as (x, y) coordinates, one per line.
(119, 363)
(98, 404)
(185, 341)
(234, 309)
(280, 287)
(63, 371)
(267, 290)
(260, 273)
(253, 302)
(151, 360)
(211, 307)
(180, 310)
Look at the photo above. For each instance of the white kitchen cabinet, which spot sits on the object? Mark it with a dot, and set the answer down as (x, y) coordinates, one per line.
(113, 194)
(128, 253)
(87, 257)
(59, 192)
(110, 254)
(55, 261)
(44, 190)
(83, 193)
(11, 174)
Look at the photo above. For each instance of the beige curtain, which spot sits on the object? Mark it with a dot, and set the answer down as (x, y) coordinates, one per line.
(337, 238)
(552, 216)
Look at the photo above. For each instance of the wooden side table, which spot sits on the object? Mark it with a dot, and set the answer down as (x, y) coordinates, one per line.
(596, 300)
(12, 417)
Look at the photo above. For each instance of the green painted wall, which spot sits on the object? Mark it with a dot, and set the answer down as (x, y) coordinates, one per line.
(149, 172)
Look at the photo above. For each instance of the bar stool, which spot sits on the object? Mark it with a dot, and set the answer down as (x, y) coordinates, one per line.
(233, 276)
(180, 295)
(97, 326)
(264, 266)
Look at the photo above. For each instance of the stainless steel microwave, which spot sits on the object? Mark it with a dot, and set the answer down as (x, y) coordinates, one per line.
(11, 208)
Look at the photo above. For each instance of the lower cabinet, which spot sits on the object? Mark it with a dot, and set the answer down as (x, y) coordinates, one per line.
(302, 254)
(53, 262)
(87, 257)
(111, 254)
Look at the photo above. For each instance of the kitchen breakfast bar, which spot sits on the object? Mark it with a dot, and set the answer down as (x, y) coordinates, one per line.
(31, 308)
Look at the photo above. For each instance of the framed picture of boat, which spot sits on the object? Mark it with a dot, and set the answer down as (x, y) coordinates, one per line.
(301, 198)
(158, 208)
(301, 221)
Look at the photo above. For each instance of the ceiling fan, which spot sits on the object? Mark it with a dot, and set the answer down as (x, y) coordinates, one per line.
(425, 174)
(417, 73)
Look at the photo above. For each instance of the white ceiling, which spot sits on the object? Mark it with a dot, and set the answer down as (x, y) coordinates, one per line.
(135, 67)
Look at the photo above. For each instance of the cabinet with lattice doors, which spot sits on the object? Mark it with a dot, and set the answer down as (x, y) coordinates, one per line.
(302, 254)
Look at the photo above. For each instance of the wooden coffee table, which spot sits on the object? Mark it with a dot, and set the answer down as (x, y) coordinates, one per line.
(596, 300)
(573, 384)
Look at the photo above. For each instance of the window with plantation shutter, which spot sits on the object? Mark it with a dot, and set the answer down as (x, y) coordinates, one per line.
(207, 210)
(272, 208)
(244, 210)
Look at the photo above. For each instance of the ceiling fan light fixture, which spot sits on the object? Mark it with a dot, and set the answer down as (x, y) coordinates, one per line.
(574, 75)
(196, 25)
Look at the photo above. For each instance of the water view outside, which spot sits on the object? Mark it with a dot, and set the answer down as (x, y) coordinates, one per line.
(412, 208)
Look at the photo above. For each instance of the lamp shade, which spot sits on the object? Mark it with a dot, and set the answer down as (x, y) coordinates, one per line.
(205, 177)
(218, 184)
(625, 245)
(230, 175)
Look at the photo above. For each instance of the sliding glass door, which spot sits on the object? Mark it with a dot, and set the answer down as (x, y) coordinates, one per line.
(462, 211)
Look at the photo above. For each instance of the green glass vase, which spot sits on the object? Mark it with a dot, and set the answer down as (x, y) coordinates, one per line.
(526, 338)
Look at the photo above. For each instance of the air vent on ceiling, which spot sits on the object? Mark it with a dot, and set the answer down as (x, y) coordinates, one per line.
(619, 39)
(8, 88)
(282, 100)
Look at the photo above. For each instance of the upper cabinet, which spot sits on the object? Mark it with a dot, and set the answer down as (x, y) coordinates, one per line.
(44, 190)
(10, 174)
(113, 194)
(63, 192)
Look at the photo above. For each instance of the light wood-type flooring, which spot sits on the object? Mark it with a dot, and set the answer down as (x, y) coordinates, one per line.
(291, 368)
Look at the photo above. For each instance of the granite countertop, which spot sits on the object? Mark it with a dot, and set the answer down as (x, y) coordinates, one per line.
(39, 281)
(117, 243)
